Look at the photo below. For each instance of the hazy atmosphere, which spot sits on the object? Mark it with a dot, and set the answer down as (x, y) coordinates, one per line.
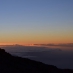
(40, 30)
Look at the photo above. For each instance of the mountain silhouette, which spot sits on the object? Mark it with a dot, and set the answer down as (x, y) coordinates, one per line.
(14, 64)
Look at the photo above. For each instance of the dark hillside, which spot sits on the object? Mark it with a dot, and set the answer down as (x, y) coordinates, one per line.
(13, 64)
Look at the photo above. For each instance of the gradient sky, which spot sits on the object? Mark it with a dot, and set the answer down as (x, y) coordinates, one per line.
(36, 21)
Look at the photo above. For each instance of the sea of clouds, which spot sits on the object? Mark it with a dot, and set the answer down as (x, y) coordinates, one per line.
(58, 56)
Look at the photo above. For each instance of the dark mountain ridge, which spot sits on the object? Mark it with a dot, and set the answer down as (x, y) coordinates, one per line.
(14, 64)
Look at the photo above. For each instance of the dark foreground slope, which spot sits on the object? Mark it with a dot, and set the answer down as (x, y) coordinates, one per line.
(12, 64)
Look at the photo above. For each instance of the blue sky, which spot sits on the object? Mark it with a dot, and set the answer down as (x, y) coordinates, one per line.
(34, 17)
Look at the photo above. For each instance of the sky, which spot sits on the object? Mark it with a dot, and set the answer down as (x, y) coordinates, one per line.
(36, 21)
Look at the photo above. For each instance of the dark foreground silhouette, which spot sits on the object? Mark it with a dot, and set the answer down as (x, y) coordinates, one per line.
(13, 64)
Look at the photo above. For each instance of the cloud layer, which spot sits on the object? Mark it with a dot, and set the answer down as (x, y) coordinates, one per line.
(54, 56)
(62, 45)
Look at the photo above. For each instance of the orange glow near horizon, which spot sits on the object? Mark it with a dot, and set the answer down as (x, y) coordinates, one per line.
(39, 38)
